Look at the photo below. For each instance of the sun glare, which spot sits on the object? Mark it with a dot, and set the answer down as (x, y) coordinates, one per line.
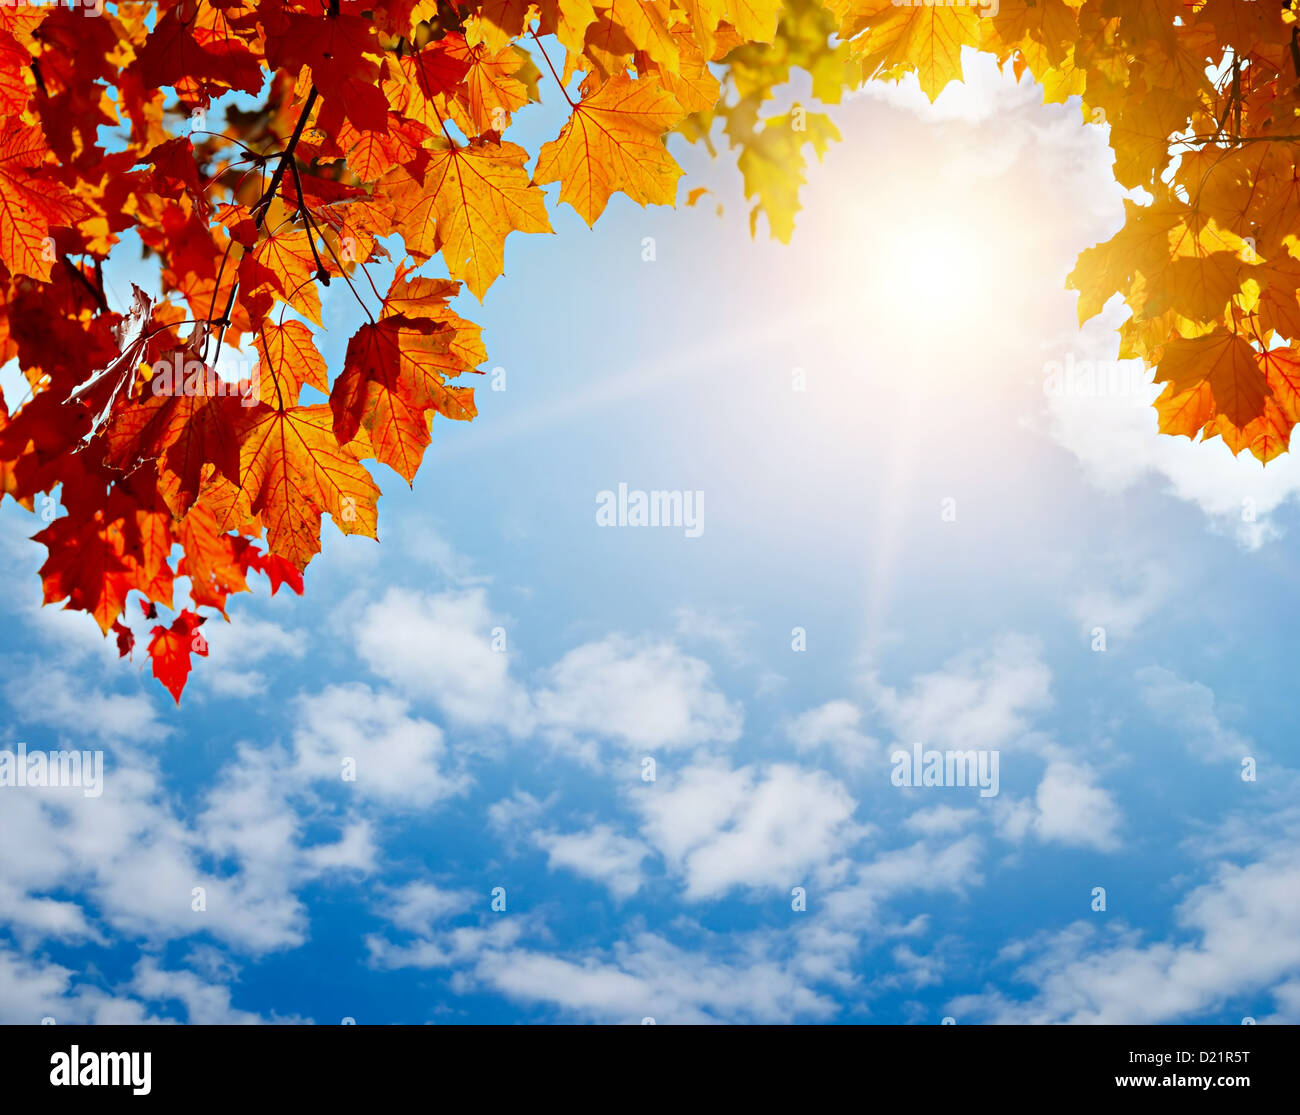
(942, 272)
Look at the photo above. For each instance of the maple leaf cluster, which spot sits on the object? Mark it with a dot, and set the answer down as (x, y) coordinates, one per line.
(383, 122)
(1202, 102)
(380, 120)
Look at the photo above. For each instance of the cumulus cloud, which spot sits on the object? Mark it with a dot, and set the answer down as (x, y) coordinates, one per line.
(599, 853)
(1122, 609)
(234, 652)
(205, 1004)
(1190, 708)
(941, 820)
(1241, 935)
(418, 906)
(439, 648)
(133, 858)
(731, 635)
(836, 725)
(1068, 808)
(751, 827)
(640, 695)
(649, 976)
(60, 699)
(981, 699)
(455, 947)
(33, 989)
(636, 694)
(1115, 437)
(390, 755)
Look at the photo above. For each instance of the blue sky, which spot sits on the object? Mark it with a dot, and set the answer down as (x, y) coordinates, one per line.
(921, 306)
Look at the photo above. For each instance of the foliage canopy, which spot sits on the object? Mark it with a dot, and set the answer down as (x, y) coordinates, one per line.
(383, 119)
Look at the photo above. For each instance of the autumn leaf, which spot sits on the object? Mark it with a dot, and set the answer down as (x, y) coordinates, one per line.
(481, 193)
(926, 38)
(754, 20)
(215, 561)
(289, 362)
(496, 22)
(362, 131)
(613, 141)
(94, 565)
(29, 204)
(1224, 361)
(394, 376)
(186, 433)
(171, 648)
(295, 470)
(284, 265)
(87, 567)
(487, 93)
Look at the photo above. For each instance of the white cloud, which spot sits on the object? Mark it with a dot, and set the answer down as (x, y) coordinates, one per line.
(924, 867)
(985, 93)
(1242, 936)
(836, 725)
(1287, 997)
(444, 948)
(438, 648)
(235, 648)
(642, 695)
(639, 694)
(396, 758)
(55, 696)
(31, 990)
(510, 816)
(420, 542)
(980, 699)
(417, 907)
(1121, 610)
(134, 860)
(651, 977)
(1189, 707)
(599, 853)
(1116, 439)
(750, 827)
(355, 850)
(206, 1004)
(731, 635)
(941, 820)
(1068, 808)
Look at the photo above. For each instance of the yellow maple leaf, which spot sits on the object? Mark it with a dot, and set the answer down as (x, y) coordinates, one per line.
(926, 38)
(481, 193)
(294, 469)
(613, 142)
(1227, 363)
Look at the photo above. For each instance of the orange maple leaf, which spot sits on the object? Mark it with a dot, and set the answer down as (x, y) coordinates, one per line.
(29, 204)
(612, 142)
(394, 375)
(294, 470)
(171, 648)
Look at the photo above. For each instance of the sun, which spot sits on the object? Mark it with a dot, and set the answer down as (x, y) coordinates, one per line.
(942, 274)
(937, 263)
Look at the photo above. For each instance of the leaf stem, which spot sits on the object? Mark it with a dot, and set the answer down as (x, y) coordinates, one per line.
(550, 67)
(263, 206)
